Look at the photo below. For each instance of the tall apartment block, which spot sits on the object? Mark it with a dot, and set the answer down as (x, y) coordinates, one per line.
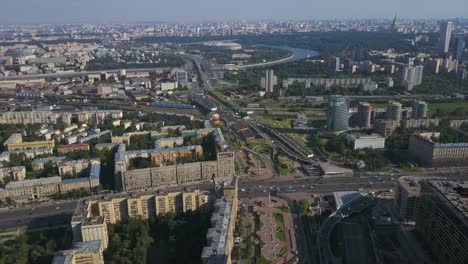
(442, 219)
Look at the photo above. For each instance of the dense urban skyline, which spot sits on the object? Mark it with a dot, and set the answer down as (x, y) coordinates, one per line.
(105, 11)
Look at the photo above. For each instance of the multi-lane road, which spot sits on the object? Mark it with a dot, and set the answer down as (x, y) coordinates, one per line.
(38, 216)
(61, 212)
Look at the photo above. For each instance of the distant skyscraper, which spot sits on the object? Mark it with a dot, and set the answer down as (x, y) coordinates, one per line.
(182, 77)
(337, 113)
(364, 115)
(269, 81)
(462, 74)
(394, 26)
(446, 29)
(334, 64)
(460, 49)
(394, 111)
(412, 76)
(418, 74)
(419, 109)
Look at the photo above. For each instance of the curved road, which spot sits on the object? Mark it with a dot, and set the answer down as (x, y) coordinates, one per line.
(297, 54)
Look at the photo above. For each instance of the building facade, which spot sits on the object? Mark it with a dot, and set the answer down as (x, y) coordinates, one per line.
(169, 175)
(445, 35)
(394, 111)
(91, 217)
(337, 113)
(82, 253)
(419, 109)
(15, 142)
(386, 128)
(420, 122)
(364, 115)
(220, 236)
(423, 149)
(441, 218)
(406, 197)
(362, 141)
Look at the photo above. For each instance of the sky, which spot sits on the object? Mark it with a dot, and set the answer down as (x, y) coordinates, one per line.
(124, 11)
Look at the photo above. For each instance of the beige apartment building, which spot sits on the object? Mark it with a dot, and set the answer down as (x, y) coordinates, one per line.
(31, 189)
(21, 189)
(82, 253)
(94, 228)
(15, 142)
(89, 222)
(47, 117)
(139, 179)
(220, 236)
(386, 128)
(17, 173)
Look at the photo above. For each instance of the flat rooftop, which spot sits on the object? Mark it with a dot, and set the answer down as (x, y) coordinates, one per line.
(456, 193)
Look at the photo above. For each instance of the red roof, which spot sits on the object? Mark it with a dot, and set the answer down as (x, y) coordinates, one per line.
(246, 134)
(73, 146)
(239, 126)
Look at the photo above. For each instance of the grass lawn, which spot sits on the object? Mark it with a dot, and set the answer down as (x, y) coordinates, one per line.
(447, 107)
(252, 143)
(278, 217)
(432, 107)
(412, 169)
(286, 166)
(277, 122)
(299, 138)
(280, 234)
(282, 252)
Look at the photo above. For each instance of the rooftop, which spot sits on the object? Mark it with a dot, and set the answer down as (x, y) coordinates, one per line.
(456, 193)
(410, 184)
(66, 256)
(217, 235)
(365, 136)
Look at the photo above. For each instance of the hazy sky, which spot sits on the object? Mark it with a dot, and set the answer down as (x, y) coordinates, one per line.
(84, 11)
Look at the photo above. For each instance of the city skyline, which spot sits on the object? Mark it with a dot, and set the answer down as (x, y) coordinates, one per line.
(119, 11)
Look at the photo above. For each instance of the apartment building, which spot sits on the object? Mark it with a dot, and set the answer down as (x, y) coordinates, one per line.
(90, 219)
(442, 219)
(31, 189)
(407, 193)
(171, 142)
(63, 149)
(420, 122)
(139, 179)
(17, 173)
(48, 117)
(15, 142)
(43, 187)
(90, 252)
(220, 236)
(423, 149)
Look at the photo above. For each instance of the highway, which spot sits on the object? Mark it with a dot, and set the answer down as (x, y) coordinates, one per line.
(41, 215)
(297, 54)
(38, 216)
